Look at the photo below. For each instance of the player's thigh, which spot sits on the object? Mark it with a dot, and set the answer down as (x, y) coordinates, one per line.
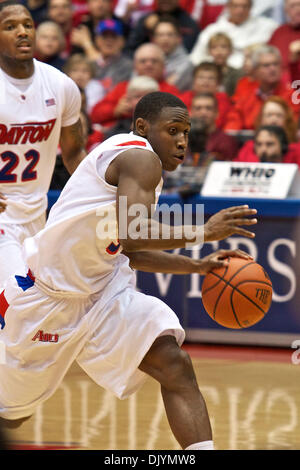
(123, 332)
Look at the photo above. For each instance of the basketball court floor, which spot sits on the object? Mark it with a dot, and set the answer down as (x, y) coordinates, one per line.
(252, 396)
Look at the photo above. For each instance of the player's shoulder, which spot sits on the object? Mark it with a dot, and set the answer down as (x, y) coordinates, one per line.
(51, 73)
(126, 141)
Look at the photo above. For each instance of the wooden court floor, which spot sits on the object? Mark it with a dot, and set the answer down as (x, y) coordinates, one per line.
(252, 396)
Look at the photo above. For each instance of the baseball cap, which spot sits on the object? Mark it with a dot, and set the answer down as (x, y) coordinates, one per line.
(111, 25)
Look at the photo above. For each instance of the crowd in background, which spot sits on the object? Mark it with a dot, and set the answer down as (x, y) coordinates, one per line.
(234, 63)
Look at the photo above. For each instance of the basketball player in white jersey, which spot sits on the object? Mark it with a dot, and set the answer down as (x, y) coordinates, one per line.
(39, 108)
(79, 301)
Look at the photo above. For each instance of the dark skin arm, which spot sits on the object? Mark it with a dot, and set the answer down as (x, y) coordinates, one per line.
(136, 173)
(171, 263)
(72, 146)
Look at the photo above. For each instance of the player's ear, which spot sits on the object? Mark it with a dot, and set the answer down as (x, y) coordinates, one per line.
(141, 126)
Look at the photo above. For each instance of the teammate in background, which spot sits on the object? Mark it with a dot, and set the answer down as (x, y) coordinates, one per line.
(39, 109)
(79, 299)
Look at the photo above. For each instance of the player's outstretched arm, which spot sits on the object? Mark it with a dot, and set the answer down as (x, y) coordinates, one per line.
(136, 173)
(170, 263)
(72, 146)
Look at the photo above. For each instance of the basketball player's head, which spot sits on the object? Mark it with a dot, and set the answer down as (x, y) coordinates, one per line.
(163, 119)
(17, 34)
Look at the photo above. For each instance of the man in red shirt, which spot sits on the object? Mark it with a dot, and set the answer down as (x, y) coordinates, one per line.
(216, 144)
(268, 72)
(149, 61)
(270, 145)
(207, 79)
(287, 33)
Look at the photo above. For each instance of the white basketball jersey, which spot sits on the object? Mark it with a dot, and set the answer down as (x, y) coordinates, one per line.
(30, 126)
(78, 250)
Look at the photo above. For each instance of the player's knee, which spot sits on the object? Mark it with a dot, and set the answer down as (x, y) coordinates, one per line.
(169, 364)
(178, 371)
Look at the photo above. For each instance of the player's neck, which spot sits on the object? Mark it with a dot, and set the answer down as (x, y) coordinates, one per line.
(17, 69)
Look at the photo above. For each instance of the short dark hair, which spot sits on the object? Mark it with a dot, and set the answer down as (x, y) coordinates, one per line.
(207, 94)
(150, 106)
(9, 3)
(279, 133)
(209, 67)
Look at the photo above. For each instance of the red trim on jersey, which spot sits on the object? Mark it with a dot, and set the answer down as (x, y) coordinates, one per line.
(3, 307)
(132, 142)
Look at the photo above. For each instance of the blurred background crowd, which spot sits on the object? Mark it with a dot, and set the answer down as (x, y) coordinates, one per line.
(234, 63)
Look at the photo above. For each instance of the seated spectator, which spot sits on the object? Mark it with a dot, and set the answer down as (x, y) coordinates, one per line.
(81, 70)
(270, 145)
(61, 12)
(220, 48)
(178, 67)
(99, 10)
(240, 26)
(294, 62)
(111, 66)
(268, 72)
(148, 60)
(143, 30)
(130, 11)
(38, 10)
(50, 42)
(276, 112)
(287, 33)
(206, 141)
(137, 88)
(204, 12)
(248, 82)
(207, 79)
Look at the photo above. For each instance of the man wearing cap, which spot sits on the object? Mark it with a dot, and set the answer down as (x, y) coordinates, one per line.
(111, 65)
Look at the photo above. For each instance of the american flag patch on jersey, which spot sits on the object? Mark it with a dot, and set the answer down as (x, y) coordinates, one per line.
(50, 102)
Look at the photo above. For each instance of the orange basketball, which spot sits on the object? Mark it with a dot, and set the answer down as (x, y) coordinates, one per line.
(238, 295)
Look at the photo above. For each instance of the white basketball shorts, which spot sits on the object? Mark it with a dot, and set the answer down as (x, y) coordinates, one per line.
(43, 334)
(12, 237)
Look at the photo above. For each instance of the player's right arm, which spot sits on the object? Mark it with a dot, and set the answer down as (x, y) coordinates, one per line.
(136, 173)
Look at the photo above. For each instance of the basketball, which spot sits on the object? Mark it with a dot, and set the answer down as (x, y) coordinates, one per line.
(238, 295)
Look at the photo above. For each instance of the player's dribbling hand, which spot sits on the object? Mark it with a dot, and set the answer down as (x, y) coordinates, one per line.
(228, 222)
(2, 203)
(219, 259)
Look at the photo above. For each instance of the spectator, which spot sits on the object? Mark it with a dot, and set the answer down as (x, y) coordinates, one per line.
(50, 42)
(61, 12)
(137, 88)
(287, 33)
(99, 10)
(130, 11)
(220, 48)
(81, 70)
(178, 67)
(111, 65)
(207, 142)
(268, 72)
(207, 79)
(148, 60)
(276, 112)
(143, 30)
(204, 12)
(240, 26)
(38, 10)
(270, 145)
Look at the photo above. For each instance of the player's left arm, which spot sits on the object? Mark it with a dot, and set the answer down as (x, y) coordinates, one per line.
(171, 263)
(72, 146)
